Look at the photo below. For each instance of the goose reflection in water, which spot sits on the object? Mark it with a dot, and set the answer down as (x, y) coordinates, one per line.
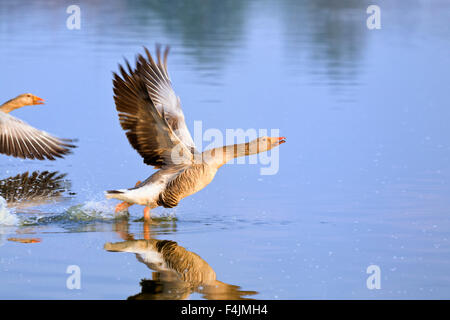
(178, 272)
(27, 190)
(33, 189)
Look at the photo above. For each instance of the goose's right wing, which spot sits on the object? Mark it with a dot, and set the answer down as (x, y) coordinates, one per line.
(19, 139)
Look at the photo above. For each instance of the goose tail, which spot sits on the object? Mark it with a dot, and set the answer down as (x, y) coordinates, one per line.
(114, 194)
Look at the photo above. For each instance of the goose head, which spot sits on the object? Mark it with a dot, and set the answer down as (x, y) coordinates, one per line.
(265, 143)
(25, 99)
(28, 99)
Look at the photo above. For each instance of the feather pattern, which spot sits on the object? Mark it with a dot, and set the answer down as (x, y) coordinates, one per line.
(31, 187)
(21, 140)
(147, 129)
(160, 89)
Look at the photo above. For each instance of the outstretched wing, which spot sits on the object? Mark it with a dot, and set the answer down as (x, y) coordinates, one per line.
(160, 89)
(21, 140)
(147, 130)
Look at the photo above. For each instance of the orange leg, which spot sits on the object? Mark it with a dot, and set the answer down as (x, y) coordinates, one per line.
(147, 230)
(123, 206)
(147, 214)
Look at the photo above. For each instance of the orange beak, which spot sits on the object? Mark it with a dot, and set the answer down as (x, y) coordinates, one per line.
(37, 100)
(278, 140)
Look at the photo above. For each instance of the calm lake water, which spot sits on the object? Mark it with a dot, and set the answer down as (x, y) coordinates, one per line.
(362, 180)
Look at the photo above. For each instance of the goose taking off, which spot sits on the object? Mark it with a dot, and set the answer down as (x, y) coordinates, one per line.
(18, 139)
(151, 114)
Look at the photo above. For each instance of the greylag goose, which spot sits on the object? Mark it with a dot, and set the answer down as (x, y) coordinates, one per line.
(179, 272)
(150, 113)
(18, 139)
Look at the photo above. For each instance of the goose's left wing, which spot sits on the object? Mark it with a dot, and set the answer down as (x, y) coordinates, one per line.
(146, 128)
(163, 96)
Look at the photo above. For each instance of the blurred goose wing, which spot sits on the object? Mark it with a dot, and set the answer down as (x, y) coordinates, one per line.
(146, 128)
(21, 140)
(35, 186)
(160, 89)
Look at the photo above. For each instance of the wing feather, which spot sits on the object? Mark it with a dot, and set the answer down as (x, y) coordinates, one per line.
(146, 129)
(33, 186)
(160, 89)
(19, 139)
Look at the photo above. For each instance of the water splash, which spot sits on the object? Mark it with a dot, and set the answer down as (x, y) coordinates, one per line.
(89, 211)
(92, 210)
(166, 216)
(6, 217)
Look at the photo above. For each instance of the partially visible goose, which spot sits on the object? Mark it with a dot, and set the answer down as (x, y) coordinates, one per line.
(18, 139)
(150, 113)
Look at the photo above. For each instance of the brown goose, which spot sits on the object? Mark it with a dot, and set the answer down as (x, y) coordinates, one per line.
(18, 139)
(179, 272)
(151, 114)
